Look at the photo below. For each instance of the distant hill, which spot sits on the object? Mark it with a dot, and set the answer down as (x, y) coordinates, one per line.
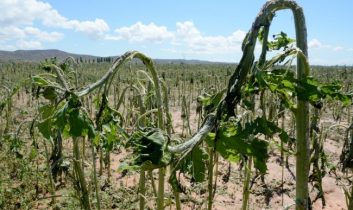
(40, 55)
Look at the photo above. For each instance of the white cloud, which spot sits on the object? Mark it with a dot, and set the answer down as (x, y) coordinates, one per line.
(18, 18)
(197, 43)
(186, 30)
(11, 32)
(186, 35)
(338, 48)
(27, 37)
(43, 35)
(238, 36)
(24, 12)
(95, 29)
(19, 12)
(19, 23)
(140, 32)
(314, 44)
(26, 45)
(112, 37)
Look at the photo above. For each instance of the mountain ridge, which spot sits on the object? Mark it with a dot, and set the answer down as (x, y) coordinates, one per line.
(40, 55)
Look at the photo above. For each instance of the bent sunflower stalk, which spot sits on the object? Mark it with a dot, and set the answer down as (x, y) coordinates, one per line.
(237, 80)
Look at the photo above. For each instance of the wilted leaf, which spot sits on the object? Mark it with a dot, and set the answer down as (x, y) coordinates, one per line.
(40, 81)
(45, 128)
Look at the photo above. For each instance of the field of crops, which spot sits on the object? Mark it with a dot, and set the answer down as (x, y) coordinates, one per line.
(276, 133)
(39, 171)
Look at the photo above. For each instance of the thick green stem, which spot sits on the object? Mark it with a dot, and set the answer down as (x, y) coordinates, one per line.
(150, 174)
(142, 183)
(350, 205)
(282, 157)
(95, 176)
(100, 161)
(85, 202)
(160, 196)
(107, 160)
(51, 181)
(169, 129)
(216, 157)
(142, 189)
(177, 200)
(246, 191)
(302, 119)
(161, 172)
(210, 179)
(83, 152)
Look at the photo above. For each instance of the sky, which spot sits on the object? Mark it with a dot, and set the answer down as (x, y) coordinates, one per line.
(169, 29)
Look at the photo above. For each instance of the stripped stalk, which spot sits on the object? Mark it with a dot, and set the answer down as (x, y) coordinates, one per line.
(142, 189)
(169, 129)
(160, 195)
(150, 174)
(246, 190)
(95, 176)
(79, 174)
(210, 179)
(51, 181)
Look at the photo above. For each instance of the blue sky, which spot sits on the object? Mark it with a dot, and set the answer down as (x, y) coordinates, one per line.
(207, 30)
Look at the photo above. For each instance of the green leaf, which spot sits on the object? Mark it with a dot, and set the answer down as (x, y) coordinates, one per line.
(40, 81)
(199, 158)
(49, 93)
(109, 136)
(227, 145)
(46, 125)
(73, 121)
(153, 150)
(234, 140)
(148, 146)
(46, 111)
(45, 128)
(174, 182)
(312, 91)
(210, 102)
(96, 140)
(259, 152)
(210, 139)
(283, 83)
(194, 164)
(284, 137)
(60, 116)
(280, 40)
(80, 124)
(288, 84)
